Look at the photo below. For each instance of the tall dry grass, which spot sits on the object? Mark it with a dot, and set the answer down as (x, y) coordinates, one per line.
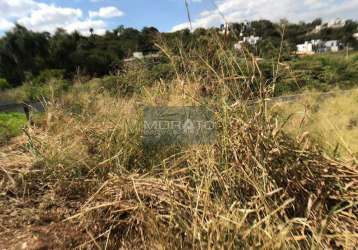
(330, 120)
(256, 187)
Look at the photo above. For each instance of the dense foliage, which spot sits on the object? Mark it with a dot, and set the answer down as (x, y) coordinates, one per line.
(24, 53)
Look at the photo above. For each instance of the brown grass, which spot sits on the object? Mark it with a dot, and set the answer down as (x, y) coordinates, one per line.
(332, 121)
(93, 184)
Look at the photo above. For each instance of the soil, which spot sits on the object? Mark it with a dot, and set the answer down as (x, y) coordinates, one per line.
(32, 219)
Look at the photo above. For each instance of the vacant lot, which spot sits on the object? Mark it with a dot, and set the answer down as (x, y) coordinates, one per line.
(81, 176)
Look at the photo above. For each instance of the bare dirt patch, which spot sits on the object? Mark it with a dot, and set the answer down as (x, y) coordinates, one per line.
(31, 220)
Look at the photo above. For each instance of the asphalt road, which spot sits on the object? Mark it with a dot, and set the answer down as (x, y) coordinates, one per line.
(20, 107)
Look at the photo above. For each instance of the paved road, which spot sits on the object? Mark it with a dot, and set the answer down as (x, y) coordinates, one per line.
(21, 107)
(37, 106)
(293, 98)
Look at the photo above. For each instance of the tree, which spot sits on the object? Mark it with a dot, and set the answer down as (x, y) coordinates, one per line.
(23, 51)
(149, 36)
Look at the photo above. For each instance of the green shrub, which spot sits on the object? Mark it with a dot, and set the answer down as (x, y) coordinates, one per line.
(4, 84)
(134, 76)
(10, 125)
(48, 75)
(162, 71)
(119, 85)
(54, 88)
(320, 72)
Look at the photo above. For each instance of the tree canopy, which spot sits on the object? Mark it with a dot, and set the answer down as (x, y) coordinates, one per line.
(25, 53)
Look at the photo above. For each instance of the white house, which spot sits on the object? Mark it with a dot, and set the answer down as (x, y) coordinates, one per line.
(252, 40)
(355, 35)
(138, 55)
(337, 23)
(334, 24)
(317, 42)
(318, 28)
(332, 46)
(238, 45)
(305, 48)
(318, 46)
(226, 28)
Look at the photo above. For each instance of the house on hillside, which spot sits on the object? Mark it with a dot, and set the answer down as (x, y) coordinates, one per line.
(239, 45)
(138, 55)
(337, 23)
(333, 24)
(318, 46)
(226, 28)
(305, 48)
(141, 56)
(333, 46)
(318, 28)
(252, 40)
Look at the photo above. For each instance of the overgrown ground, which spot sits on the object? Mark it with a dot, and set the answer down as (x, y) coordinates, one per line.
(87, 181)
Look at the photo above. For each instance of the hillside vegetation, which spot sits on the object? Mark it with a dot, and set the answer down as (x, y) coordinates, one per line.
(25, 54)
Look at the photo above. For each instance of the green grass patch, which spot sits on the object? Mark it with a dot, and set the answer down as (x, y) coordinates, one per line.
(11, 125)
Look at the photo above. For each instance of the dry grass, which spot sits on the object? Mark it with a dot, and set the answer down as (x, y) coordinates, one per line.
(94, 185)
(331, 120)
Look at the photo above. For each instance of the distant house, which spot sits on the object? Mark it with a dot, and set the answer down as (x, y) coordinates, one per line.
(138, 55)
(226, 28)
(318, 28)
(333, 24)
(252, 40)
(305, 48)
(239, 45)
(141, 56)
(333, 46)
(355, 35)
(318, 46)
(337, 23)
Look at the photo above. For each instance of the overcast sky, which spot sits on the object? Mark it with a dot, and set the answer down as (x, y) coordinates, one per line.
(166, 15)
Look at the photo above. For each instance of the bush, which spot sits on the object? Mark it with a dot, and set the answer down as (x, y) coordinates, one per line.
(10, 125)
(4, 84)
(321, 72)
(134, 76)
(118, 85)
(162, 71)
(48, 75)
(34, 92)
